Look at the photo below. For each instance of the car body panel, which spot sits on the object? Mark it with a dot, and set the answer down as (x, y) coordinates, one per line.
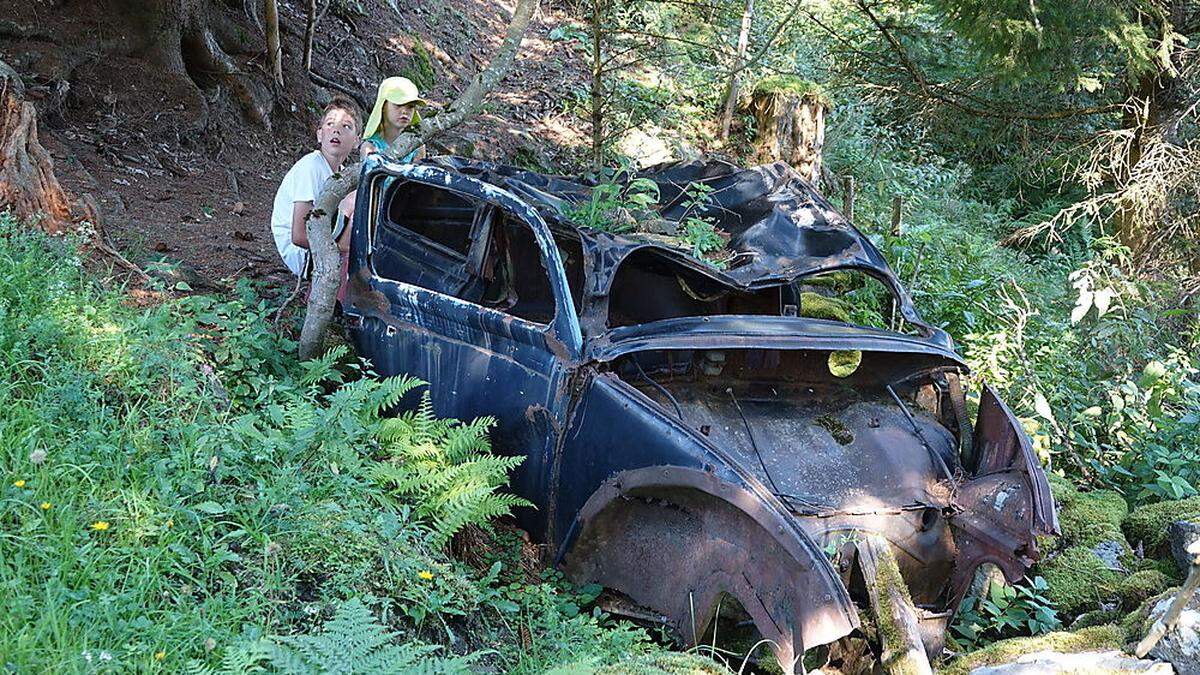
(688, 457)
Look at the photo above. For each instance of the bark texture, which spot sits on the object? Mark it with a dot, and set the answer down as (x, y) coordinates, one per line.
(27, 183)
(791, 129)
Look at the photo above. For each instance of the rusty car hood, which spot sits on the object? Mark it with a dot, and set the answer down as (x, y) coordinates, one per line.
(765, 332)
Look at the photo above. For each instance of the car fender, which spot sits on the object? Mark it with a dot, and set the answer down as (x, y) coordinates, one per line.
(677, 539)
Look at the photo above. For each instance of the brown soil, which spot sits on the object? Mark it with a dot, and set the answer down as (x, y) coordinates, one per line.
(177, 171)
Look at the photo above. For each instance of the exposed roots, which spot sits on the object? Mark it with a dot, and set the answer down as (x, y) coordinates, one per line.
(27, 182)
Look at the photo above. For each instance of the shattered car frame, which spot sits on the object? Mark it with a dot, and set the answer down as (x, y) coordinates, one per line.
(684, 437)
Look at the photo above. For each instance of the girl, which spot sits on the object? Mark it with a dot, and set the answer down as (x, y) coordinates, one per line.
(395, 112)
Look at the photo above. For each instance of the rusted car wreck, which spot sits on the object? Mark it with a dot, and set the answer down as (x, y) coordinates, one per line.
(685, 438)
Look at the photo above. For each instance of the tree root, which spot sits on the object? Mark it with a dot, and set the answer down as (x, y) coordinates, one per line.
(202, 46)
(27, 182)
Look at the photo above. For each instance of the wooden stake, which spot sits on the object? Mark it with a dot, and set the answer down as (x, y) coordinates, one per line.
(897, 203)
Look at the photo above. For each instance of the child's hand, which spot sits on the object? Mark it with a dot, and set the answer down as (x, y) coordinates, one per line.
(367, 148)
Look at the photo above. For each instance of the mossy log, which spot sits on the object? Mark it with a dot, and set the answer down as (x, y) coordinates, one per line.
(903, 652)
(791, 128)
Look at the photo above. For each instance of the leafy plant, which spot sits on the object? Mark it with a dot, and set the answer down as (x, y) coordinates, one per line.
(615, 205)
(446, 468)
(1006, 611)
(354, 642)
(699, 232)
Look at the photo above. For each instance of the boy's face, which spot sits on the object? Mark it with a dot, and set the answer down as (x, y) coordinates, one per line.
(337, 134)
(399, 116)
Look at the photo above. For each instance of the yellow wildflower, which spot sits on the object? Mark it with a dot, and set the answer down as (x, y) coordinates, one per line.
(19, 483)
(100, 525)
(170, 522)
(159, 656)
(45, 506)
(425, 574)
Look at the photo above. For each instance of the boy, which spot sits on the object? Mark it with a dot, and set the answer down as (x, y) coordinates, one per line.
(338, 135)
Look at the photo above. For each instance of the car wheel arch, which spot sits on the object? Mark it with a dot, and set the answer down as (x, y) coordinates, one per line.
(699, 536)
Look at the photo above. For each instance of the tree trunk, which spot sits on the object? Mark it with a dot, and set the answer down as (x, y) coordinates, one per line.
(735, 76)
(791, 128)
(326, 261)
(597, 88)
(27, 182)
(274, 50)
(310, 31)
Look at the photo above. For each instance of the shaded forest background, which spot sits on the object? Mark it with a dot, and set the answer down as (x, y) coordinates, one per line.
(1029, 169)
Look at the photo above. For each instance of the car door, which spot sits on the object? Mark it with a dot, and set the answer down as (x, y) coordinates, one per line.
(416, 306)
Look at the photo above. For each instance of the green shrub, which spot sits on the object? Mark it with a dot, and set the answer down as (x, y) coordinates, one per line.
(176, 485)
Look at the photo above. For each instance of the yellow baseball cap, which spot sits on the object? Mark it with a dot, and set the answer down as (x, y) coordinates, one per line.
(397, 90)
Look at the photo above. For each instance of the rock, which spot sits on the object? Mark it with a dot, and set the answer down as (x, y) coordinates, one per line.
(1087, 662)
(1111, 552)
(1181, 534)
(1181, 645)
(1094, 639)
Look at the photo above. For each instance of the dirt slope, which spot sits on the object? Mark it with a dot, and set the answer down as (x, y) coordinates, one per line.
(180, 173)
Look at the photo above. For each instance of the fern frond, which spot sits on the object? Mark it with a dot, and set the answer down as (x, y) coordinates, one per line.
(389, 394)
(321, 369)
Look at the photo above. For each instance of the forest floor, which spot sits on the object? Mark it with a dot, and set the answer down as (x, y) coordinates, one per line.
(202, 196)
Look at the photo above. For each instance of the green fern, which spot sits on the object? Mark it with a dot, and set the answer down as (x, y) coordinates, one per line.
(354, 642)
(242, 658)
(446, 468)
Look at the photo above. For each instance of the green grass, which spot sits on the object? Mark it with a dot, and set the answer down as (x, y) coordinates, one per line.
(178, 489)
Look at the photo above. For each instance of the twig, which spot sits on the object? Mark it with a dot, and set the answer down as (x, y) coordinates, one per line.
(290, 299)
(323, 81)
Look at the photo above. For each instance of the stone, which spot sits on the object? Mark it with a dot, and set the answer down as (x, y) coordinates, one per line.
(1086, 662)
(1181, 645)
(1181, 534)
(1111, 552)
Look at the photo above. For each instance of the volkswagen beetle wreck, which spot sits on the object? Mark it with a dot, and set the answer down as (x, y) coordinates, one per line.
(687, 438)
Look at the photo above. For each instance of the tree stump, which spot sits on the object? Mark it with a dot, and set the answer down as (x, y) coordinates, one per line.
(27, 183)
(790, 118)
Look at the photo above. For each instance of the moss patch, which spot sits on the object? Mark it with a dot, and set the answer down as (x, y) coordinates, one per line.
(1064, 491)
(1148, 524)
(1093, 517)
(1139, 586)
(836, 429)
(1078, 580)
(1089, 639)
(420, 70)
(844, 362)
(817, 306)
(1096, 617)
(666, 663)
(796, 86)
(1134, 624)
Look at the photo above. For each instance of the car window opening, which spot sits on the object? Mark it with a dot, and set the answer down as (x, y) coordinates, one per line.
(464, 247)
(649, 286)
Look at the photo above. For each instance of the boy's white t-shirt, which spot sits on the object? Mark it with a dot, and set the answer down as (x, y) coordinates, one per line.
(302, 183)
